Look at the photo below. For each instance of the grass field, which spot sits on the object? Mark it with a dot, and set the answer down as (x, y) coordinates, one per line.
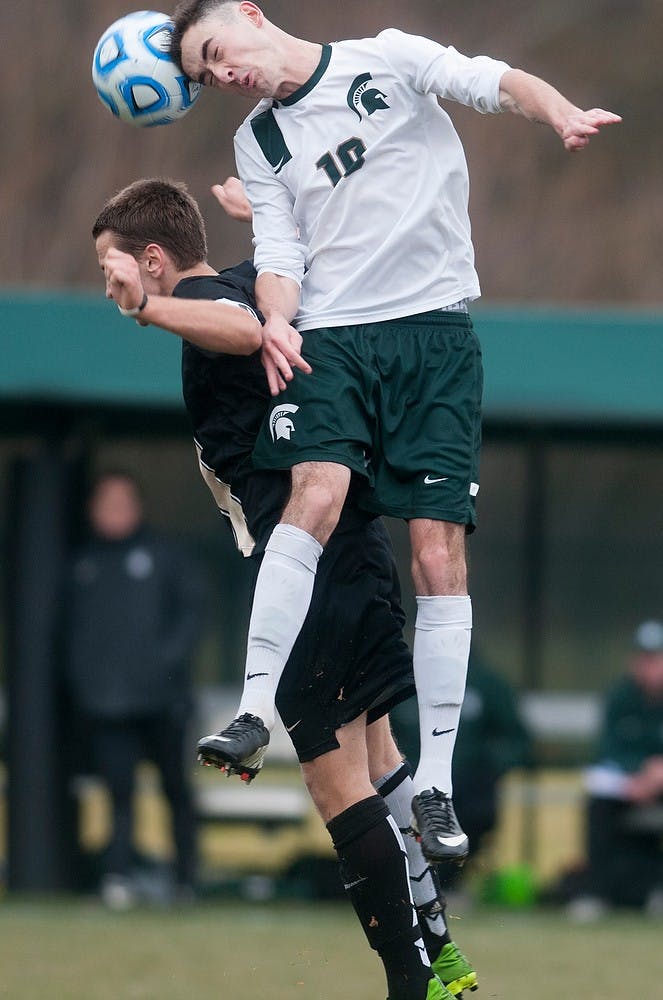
(79, 951)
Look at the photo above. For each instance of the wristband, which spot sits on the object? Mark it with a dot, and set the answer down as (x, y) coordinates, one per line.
(136, 309)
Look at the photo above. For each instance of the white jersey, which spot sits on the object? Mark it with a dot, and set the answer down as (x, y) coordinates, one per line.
(359, 183)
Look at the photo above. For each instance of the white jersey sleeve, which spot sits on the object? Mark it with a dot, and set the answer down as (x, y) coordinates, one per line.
(432, 68)
(278, 248)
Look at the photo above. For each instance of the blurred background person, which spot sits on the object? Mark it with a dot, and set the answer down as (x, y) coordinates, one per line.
(624, 808)
(133, 614)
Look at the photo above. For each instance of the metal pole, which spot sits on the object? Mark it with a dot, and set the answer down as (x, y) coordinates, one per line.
(37, 794)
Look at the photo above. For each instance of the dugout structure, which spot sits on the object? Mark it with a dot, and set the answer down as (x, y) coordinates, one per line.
(566, 560)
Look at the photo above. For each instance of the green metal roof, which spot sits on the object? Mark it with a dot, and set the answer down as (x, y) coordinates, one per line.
(592, 364)
(70, 347)
(541, 364)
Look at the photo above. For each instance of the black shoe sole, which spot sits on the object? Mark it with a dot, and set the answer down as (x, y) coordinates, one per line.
(247, 770)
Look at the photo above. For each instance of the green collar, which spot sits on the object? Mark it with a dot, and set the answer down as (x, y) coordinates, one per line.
(317, 75)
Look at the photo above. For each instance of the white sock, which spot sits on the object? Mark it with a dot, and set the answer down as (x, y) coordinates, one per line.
(443, 630)
(397, 789)
(280, 604)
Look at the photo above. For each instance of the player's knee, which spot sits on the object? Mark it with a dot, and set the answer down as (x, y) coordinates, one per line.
(315, 506)
(333, 788)
(439, 568)
(321, 790)
(383, 753)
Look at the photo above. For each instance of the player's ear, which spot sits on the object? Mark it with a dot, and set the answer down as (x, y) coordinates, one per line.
(253, 13)
(155, 259)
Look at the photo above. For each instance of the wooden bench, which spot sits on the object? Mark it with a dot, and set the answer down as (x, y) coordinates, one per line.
(269, 807)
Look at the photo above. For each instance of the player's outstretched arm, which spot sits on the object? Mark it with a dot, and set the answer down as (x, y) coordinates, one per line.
(537, 101)
(214, 326)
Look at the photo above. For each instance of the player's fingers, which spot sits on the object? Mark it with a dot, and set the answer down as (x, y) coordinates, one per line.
(575, 143)
(114, 285)
(291, 350)
(272, 355)
(219, 193)
(274, 381)
(578, 134)
(230, 196)
(581, 126)
(292, 356)
(233, 186)
(604, 117)
(299, 362)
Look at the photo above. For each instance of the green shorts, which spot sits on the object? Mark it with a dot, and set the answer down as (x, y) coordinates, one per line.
(398, 402)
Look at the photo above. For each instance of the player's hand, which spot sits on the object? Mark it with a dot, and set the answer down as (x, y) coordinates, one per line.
(281, 352)
(653, 770)
(230, 196)
(646, 784)
(123, 280)
(580, 126)
(638, 789)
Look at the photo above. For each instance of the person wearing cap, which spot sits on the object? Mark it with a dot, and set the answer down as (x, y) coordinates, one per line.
(624, 822)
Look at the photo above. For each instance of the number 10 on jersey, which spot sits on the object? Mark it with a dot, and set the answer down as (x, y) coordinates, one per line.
(349, 158)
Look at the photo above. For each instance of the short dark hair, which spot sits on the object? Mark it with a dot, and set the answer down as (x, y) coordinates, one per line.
(188, 13)
(156, 210)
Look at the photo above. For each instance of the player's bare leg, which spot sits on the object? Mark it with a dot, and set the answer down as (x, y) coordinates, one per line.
(373, 862)
(280, 604)
(441, 652)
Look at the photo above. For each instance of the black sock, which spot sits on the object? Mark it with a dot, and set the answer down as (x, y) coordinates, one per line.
(397, 791)
(374, 870)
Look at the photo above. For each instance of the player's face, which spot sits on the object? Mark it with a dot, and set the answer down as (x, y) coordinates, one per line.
(105, 243)
(232, 55)
(648, 671)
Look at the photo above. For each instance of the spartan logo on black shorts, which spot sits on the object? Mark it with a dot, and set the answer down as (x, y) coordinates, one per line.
(280, 421)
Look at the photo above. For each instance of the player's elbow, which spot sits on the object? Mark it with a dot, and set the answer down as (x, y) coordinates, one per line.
(244, 336)
(251, 340)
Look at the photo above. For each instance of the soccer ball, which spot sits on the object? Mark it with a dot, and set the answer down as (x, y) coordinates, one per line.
(134, 74)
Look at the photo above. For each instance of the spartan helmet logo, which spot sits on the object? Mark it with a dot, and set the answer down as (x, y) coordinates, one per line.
(280, 424)
(359, 95)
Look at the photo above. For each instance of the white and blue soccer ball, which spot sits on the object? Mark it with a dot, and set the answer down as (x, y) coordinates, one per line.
(134, 74)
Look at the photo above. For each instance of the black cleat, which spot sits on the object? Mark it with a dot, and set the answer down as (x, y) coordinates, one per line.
(237, 749)
(435, 826)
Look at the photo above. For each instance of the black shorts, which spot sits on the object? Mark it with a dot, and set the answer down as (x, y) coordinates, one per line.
(350, 656)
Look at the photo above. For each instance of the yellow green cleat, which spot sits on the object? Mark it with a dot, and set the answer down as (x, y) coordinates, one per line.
(454, 970)
(438, 991)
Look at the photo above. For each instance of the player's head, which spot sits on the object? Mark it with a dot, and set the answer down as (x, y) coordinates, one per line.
(229, 45)
(647, 658)
(115, 505)
(155, 211)
(191, 12)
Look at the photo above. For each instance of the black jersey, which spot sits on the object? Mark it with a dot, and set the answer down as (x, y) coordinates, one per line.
(226, 396)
